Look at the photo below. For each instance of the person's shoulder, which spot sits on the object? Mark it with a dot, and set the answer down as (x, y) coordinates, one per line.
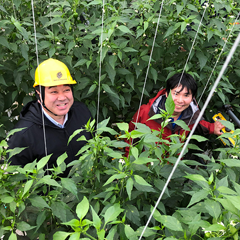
(24, 125)
(80, 108)
(78, 104)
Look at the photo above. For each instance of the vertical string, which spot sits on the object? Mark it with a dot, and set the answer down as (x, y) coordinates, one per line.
(200, 98)
(35, 37)
(100, 63)
(219, 57)
(192, 45)
(150, 59)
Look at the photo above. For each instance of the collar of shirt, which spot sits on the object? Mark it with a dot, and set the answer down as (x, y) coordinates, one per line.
(172, 120)
(55, 122)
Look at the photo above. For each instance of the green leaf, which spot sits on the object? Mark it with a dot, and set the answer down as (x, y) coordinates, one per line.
(4, 42)
(23, 226)
(39, 202)
(82, 208)
(183, 26)
(75, 236)
(80, 62)
(111, 72)
(40, 219)
(192, 7)
(129, 187)
(169, 222)
(202, 59)
(53, 21)
(130, 233)
(96, 220)
(209, 34)
(13, 236)
(235, 200)
(73, 223)
(198, 196)
(70, 46)
(27, 186)
(42, 162)
(179, 8)
(110, 91)
(95, 2)
(7, 199)
(170, 31)
(228, 206)
(60, 235)
(182, 124)
(226, 190)
(124, 29)
(145, 160)
(135, 152)
(213, 208)
(154, 74)
(231, 162)
(70, 185)
(49, 181)
(141, 181)
(199, 138)
(51, 51)
(123, 126)
(76, 132)
(115, 176)
(59, 210)
(196, 177)
(129, 49)
(103, 123)
(123, 71)
(112, 213)
(3, 9)
(61, 158)
(215, 227)
(169, 104)
(17, 3)
(227, 124)
(24, 49)
(15, 131)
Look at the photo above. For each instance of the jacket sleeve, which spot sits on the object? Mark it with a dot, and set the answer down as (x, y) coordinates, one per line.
(19, 140)
(204, 128)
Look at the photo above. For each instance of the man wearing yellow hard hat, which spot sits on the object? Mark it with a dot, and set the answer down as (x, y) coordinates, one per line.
(49, 121)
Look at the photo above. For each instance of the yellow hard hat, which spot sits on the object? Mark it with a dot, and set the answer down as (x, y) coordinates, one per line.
(52, 72)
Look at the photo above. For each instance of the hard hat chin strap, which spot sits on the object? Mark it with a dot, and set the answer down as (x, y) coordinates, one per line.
(40, 96)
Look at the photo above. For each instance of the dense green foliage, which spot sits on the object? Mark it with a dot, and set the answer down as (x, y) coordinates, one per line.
(110, 196)
(70, 31)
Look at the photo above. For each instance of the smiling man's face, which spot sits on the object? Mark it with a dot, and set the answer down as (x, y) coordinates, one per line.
(58, 99)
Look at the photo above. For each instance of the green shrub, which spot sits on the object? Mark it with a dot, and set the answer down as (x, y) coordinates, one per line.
(70, 31)
(110, 196)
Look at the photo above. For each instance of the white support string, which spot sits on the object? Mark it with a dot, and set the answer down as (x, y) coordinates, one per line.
(200, 98)
(219, 57)
(233, 49)
(40, 89)
(150, 59)
(192, 45)
(100, 64)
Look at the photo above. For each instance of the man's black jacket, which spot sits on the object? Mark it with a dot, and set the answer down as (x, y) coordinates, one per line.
(32, 136)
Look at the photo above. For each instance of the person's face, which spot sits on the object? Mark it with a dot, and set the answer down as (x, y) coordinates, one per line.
(58, 99)
(181, 99)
